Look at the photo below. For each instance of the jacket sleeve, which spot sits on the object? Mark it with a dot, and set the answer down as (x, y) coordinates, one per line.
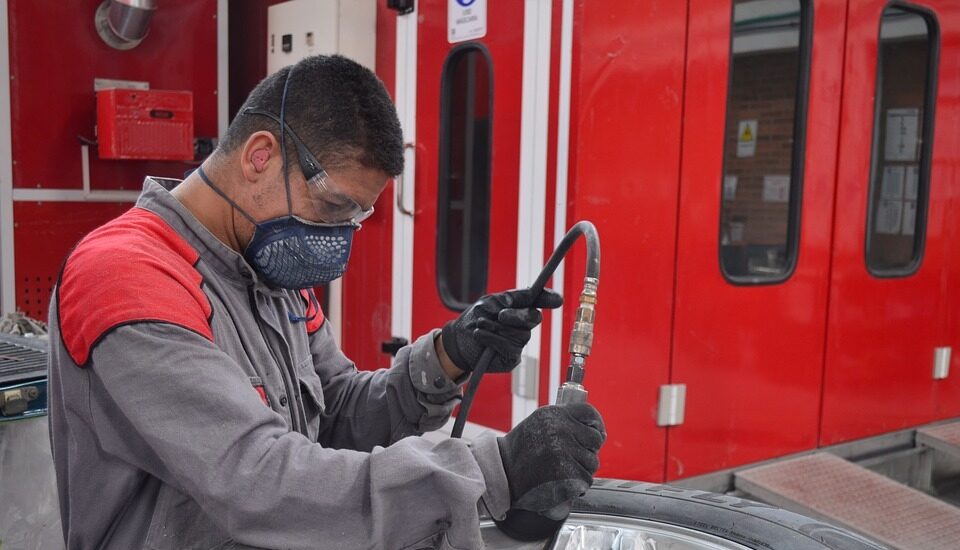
(171, 403)
(369, 408)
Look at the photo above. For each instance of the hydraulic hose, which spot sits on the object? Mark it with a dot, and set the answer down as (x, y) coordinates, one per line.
(588, 232)
(525, 525)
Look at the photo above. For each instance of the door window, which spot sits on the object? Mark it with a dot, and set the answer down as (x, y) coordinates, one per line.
(764, 138)
(903, 128)
(463, 212)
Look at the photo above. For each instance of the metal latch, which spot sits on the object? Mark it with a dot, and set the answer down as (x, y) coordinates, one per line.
(393, 345)
(673, 401)
(525, 377)
(941, 363)
(403, 7)
(15, 401)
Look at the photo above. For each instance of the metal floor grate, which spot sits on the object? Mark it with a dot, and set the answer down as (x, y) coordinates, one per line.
(823, 485)
(943, 437)
(21, 360)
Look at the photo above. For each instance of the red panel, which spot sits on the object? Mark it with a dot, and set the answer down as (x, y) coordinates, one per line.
(504, 40)
(751, 356)
(44, 232)
(544, 396)
(367, 284)
(625, 155)
(883, 331)
(53, 102)
(52, 94)
(946, 159)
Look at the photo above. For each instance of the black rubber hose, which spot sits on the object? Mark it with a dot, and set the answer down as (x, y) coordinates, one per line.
(581, 228)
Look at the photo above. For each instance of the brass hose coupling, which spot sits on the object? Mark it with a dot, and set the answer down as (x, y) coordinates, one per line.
(581, 341)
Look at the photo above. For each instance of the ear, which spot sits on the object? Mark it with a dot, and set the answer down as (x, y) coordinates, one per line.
(259, 150)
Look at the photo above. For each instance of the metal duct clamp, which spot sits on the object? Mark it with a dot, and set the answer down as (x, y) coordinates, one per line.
(123, 24)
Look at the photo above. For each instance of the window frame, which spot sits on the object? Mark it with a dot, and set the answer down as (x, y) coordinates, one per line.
(926, 145)
(797, 162)
(442, 276)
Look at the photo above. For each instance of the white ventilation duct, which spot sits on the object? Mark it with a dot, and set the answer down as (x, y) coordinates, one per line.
(123, 24)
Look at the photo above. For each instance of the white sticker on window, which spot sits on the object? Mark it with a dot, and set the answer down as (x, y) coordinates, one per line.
(892, 185)
(776, 188)
(912, 187)
(902, 138)
(889, 217)
(466, 20)
(729, 188)
(909, 217)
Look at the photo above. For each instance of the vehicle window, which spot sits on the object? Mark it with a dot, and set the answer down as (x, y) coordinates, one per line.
(764, 139)
(463, 212)
(903, 128)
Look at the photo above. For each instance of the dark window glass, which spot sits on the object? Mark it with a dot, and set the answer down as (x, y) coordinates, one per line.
(463, 213)
(763, 140)
(903, 125)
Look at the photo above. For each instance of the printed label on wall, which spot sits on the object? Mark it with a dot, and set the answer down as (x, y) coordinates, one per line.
(776, 188)
(747, 138)
(901, 139)
(466, 20)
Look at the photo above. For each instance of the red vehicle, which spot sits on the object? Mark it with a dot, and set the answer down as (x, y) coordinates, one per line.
(774, 183)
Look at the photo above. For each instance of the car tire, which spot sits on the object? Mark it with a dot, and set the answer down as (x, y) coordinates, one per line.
(753, 524)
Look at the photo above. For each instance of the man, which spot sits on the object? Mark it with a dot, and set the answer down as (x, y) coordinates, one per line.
(198, 399)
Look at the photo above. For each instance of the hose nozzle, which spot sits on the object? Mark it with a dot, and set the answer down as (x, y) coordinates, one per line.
(581, 341)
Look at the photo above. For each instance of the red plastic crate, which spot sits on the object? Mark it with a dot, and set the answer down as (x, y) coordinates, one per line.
(145, 124)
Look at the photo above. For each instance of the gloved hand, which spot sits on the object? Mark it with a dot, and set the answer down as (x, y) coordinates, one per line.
(551, 456)
(499, 321)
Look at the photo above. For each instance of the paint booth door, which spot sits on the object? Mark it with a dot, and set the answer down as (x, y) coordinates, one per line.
(467, 173)
(756, 196)
(893, 296)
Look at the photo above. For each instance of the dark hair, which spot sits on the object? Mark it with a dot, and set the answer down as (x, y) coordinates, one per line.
(337, 107)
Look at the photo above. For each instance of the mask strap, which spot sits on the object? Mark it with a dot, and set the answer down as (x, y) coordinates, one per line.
(283, 141)
(206, 179)
(316, 311)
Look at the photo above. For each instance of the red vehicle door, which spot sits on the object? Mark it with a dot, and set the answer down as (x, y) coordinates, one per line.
(893, 294)
(468, 122)
(756, 201)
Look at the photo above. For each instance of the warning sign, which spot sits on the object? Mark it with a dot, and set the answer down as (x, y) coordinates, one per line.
(747, 138)
(466, 20)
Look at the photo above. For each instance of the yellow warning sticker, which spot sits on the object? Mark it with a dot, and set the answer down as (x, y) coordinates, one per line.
(747, 138)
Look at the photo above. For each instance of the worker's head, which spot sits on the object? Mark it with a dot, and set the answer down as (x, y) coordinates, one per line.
(339, 130)
(342, 115)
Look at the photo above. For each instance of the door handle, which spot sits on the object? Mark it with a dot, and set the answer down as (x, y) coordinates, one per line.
(400, 184)
(393, 345)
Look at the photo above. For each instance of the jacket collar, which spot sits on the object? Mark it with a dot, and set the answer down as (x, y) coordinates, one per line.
(156, 197)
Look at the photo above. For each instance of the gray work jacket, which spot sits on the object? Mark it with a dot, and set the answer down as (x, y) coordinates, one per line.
(191, 409)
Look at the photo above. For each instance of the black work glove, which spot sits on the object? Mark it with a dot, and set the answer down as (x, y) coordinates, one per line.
(551, 456)
(499, 321)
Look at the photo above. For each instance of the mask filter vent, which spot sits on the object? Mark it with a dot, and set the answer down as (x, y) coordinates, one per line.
(293, 254)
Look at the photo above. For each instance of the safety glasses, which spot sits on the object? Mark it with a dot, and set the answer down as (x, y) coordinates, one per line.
(332, 205)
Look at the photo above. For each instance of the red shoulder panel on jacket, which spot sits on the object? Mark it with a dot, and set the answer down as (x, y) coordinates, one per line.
(314, 313)
(135, 268)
